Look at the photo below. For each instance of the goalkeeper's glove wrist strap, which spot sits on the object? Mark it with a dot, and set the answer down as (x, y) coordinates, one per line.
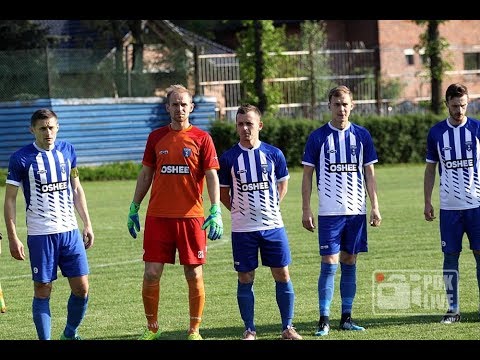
(215, 209)
(134, 206)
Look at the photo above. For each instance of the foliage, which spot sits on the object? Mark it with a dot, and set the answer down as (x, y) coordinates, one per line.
(434, 48)
(116, 171)
(273, 40)
(315, 64)
(391, 88)
(22, 35)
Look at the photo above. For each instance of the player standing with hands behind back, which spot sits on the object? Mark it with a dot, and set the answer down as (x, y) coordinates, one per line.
(48, 174)
(254, 179)
(343, 157)
(178, 158)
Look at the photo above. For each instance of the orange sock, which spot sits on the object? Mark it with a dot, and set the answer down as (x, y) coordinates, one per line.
(151, 296)
(196, 301)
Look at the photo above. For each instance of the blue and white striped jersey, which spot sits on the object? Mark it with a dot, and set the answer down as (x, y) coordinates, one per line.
(45, 180)
(252, 175)
(339, 157)
(457, 151)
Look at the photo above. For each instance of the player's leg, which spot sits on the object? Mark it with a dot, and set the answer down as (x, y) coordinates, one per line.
(473, 232)
(329, 235)
(158, 249)
(245, 260)
(43, 258)
(275, 253)
(192, 252)
(451, 235)
(74, 265)
(354, 240)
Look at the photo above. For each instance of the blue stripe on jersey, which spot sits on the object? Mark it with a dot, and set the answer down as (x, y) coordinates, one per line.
(252, 176)
(457, 151)
(45, 180)
(339, 157)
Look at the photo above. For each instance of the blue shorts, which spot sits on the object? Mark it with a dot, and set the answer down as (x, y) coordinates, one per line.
(64, 250)
(454, 224)
(342, 233)
(272, 244)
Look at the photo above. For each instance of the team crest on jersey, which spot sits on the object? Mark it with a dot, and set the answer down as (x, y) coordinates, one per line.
(353, 149)
(63, 168)
(187, 152)
(264, 168)
(468, 145)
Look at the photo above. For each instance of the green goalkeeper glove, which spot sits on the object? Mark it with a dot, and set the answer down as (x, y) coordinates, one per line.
(214, 220)
(133, 219)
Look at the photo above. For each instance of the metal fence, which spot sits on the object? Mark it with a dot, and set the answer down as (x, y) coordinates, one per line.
(76, 73)
(97, 73)
(219, 76)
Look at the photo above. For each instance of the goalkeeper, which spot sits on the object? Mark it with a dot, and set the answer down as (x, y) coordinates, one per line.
(178, 158)
(253, 180)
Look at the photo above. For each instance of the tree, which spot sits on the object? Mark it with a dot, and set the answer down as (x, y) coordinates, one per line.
(314, 38)
(259, 52)
(22, 35)
(433, 45)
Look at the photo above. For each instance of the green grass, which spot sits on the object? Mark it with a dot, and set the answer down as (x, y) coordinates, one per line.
(405, 241)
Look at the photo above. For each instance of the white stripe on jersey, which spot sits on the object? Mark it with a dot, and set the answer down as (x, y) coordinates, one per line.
(339, 157)
(253, 175)
(44, 177)
(459, 186)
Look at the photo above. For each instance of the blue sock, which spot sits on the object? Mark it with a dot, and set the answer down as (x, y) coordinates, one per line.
(326, 282)
(450, 263)
(246, 304)
(42, 318)
(348, 286)
(76, 308)
(477, 259)
(285, 300)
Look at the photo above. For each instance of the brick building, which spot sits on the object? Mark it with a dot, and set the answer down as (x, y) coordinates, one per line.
(397, 59)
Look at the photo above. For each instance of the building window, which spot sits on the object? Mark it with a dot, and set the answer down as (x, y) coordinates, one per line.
(424, 57)
(409, 56)
(471, 61)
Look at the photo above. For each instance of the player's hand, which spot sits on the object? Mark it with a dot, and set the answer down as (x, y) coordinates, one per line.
(133, 220)
(214, 220)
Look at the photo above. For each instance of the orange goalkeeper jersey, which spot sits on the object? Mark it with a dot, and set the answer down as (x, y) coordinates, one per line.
(180, 159)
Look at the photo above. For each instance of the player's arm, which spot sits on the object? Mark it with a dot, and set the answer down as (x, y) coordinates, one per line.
(308, 221)
(17, 249)
(371, 184)
(80, 202)
(144, 181)
(214, 220)
(282, 187)
(225, 197)
(428, 183)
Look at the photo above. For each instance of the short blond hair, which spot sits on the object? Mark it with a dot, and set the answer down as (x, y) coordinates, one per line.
(179, 89)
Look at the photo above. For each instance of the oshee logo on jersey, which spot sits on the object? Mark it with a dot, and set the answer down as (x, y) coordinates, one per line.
(175, 169)
(343, 167)
(52, 187)
(256, 186)
(456, 164)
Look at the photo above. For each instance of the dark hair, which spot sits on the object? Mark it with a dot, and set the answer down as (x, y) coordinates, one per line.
(246, 108)
(339, 90)
(42, 114)
(455, 90)
(177, 88)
